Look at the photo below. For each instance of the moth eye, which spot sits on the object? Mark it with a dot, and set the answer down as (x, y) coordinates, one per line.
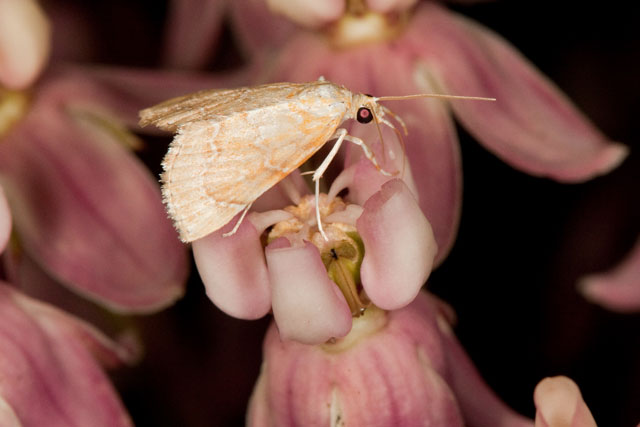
(364, 115)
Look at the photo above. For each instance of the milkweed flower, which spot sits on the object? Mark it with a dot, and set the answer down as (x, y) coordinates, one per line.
(377, 235)
(77, 193)
(403, 367)
(49, 365)
(390, 48)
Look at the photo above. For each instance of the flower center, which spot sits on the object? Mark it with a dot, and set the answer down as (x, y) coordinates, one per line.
(361, 26)
(13, 106)
(341, 254)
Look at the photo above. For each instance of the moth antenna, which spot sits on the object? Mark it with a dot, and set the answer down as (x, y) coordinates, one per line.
(307, 173)
(397, 118)
(432, 95)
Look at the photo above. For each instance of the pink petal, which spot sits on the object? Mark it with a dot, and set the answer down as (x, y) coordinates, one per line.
(48, 298)
(308, 13)
(559, 403)
(259, 31)
(55, 321)
(47, 370)
(399, 246)
(366, 181)
(388, 371)
(192, 33)
(307, 305)
(121, 93)
(532, 125)
(289, 67)
(480, 405)
(5, 221)
(90, 212)
(619, 289)
(24, 42)
(234, 272)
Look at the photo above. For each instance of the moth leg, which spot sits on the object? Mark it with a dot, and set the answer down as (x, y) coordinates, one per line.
(367, 152)
(395, 116)
(341, 134)
(235, 227)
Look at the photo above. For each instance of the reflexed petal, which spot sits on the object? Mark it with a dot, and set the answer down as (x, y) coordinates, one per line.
(619, 289)
(234, 272)
(532, 125)
(5, 221)
(399, 246)
(259, 31)
(192, 33)
(392, 362)
(47, 369)
(89, 212)
(24, 42)
(56, 321)
(307, 305)
(309, 13)
(559, 403)
(317, 56)
(121, 93)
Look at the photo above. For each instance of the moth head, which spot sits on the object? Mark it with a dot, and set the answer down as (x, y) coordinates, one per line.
(366, 109)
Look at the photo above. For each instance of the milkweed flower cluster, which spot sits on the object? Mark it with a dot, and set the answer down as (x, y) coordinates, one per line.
(340, 305)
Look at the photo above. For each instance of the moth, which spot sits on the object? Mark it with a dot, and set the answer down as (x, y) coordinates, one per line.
(233, 145)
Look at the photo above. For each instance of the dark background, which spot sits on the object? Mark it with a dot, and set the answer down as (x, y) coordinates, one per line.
(523, 241)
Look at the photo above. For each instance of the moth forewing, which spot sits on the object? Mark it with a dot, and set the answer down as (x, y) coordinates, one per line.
(233, 145)
(216, 103)
(217, 166)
